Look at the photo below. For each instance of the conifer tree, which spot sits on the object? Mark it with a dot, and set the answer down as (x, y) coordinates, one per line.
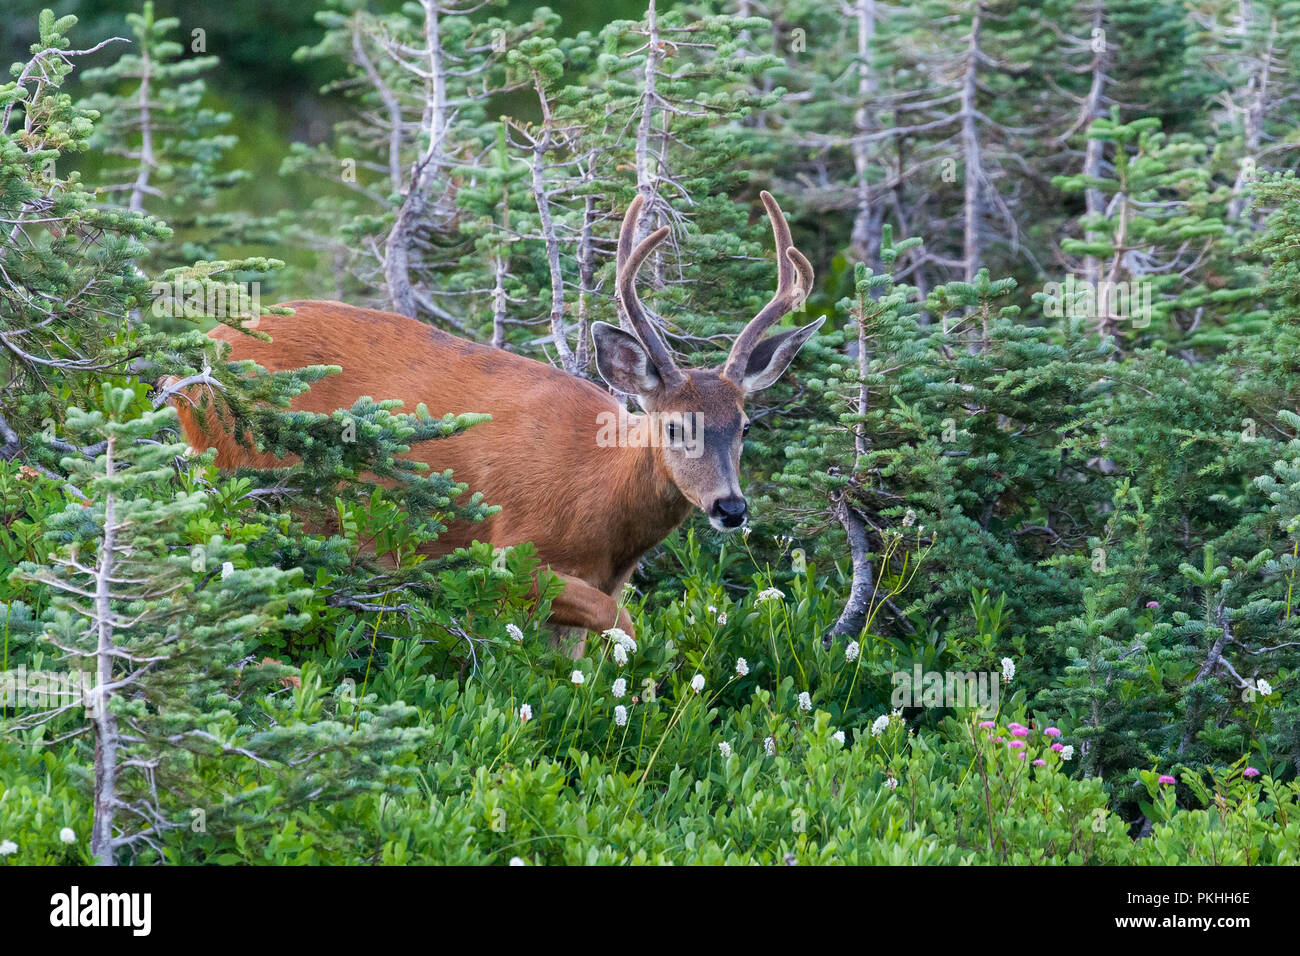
(167, 146)
(160, 624)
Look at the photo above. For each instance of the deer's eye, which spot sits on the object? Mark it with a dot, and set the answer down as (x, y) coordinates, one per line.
(674, 432)
(745, 431)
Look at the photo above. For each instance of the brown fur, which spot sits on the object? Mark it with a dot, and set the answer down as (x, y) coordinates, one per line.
(591, 511)
(592, 507)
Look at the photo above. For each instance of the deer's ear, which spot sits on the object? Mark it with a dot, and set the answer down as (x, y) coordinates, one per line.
(773, 355)
(623, 361)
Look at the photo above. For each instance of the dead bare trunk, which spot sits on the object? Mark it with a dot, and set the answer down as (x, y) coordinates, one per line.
(970, 147)
(107, 743)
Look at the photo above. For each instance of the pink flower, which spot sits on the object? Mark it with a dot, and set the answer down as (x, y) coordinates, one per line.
(1153, 604)
(1021, 756)
(1250, 772)
(1058, 747)
(998, 740)
(1020, 732)
(1166, 780)
(1052, 732)
(987, 724)
(1013, 726)
(1015, 744)
(1038, 763)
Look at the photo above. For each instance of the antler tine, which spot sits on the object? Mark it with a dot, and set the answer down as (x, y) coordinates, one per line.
(629, 263)
(794, 279)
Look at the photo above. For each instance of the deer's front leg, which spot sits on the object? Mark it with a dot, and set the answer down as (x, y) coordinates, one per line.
(582, 606)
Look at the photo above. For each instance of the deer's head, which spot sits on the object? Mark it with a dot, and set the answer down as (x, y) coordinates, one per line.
(699, 414)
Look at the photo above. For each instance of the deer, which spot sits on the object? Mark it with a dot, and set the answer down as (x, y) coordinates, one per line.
(591, 508)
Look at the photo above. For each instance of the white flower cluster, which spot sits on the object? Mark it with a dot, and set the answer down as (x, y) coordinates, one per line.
(769, 594)
(623, 644)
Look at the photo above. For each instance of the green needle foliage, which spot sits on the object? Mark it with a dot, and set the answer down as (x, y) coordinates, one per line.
(1048, 439)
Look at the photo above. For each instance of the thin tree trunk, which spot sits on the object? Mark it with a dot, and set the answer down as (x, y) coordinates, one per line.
(558, 333)
(147, 159)
(865, 238)
(644, 181)
(854, 616)
(1254, 119)
(1094, 201)
(970, 147)
(413, 212)
(107, 743)
(586, 276)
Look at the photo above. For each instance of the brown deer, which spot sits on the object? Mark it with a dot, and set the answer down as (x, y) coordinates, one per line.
(591, 507)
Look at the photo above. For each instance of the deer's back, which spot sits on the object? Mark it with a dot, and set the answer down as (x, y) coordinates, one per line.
(536, 458)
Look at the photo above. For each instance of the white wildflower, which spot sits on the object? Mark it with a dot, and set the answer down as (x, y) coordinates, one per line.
(909, 519)
(742, 667)
(515, 633)
(1263, 687)
(851, 652)
(525, 712)
(620, 655)
(724, 748)
(838, 737)
(517, 861)
(1067, 752)
(880, 725)
(769, 746)
(622, 638)
(619, 690)
(8, 847)
(620, 716)
(769, 594)
(805, 701)
(68, 835)
(577, 677)
(1008, 670)
(891, 783)
(697, 683)
(722, 618)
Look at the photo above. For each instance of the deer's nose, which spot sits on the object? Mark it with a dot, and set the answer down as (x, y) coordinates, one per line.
(731, 511)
